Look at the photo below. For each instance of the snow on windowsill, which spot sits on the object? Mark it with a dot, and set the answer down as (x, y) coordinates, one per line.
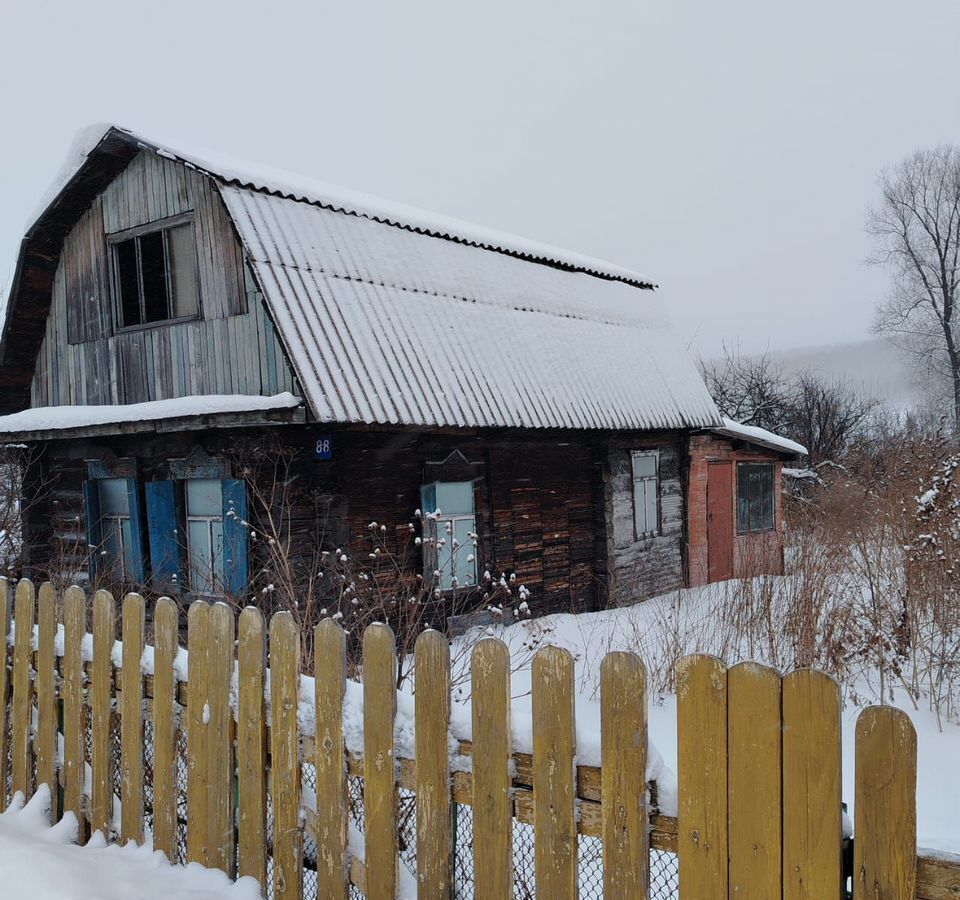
(53, 418)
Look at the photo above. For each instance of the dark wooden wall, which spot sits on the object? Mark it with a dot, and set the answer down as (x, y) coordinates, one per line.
(232, 349)
(539, 499)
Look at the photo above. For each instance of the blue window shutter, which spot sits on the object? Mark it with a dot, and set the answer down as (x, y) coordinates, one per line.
(163, 528)
(91, 514)
(236, 534)
(138, 570)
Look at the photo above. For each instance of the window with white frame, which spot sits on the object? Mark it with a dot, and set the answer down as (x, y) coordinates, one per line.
(450, 520)
(118, 549)
(646, 492)
(203, 503)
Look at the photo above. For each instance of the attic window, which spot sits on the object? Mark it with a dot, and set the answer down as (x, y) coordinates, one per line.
(155, 274)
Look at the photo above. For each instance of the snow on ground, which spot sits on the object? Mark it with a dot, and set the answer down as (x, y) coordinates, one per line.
(44, 863)
(642, 629)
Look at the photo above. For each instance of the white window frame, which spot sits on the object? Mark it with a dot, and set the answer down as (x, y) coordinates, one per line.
(116, 522)
(437, 530)
(643, 482)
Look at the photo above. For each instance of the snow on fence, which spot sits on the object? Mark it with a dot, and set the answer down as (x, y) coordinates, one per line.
(226, 762)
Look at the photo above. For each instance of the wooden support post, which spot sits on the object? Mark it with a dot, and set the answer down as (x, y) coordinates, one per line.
(165, 640)
(131, 722)
(554, 788)
(285, 754)
(702, 773)
(432, 711)
(252, 746)
(101, 712)
(623, 742)
(330, 666)
(380, 792)
(492, 805)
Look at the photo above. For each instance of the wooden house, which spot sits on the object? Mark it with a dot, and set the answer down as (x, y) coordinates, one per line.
(191, 348)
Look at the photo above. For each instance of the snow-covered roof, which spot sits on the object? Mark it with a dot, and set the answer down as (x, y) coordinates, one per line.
(58, 418)
(391, 315)
(753, 435)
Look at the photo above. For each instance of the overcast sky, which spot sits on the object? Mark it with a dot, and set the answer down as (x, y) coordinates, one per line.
(728, 150)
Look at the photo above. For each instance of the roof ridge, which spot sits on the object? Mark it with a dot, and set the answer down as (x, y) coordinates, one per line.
(304, 189)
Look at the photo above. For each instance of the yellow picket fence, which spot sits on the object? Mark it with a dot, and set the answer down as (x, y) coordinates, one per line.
(759, 761)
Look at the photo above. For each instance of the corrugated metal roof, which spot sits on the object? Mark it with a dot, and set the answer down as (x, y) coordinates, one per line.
(388, 325)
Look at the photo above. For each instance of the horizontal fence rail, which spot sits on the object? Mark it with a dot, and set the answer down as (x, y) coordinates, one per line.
(227, 756)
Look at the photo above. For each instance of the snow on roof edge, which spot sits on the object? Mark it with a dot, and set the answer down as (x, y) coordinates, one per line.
(755, 435)
(231, 170)
(55, 418)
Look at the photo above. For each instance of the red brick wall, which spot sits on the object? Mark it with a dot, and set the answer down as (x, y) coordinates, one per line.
(753, 554)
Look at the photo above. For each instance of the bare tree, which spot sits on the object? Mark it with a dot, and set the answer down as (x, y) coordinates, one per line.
(748, 389)
(916, 229)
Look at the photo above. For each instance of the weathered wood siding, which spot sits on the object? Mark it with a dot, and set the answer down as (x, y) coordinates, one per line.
(643, 567)
(232, 349)
(539, 502)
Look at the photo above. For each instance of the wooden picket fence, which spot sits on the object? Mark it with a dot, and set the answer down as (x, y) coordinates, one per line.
(759, 760)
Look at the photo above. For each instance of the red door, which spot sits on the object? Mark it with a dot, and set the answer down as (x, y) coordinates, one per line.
(719, 521)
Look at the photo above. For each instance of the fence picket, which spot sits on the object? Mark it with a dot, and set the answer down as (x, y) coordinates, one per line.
(101, 711)
(47, 693)
(754, 771)
(165, 634)
(285, 753)
(623, 742)
(218, 741)
(4, 687)
(492, 805)
(811, 786)
(131, 722)
(252, 746)
(198, 639)
(702, 773)
(885, 849)
(434, 831)
(74, 709)
(554, 790)
(380, 794)
(330, 652)
(20, 747)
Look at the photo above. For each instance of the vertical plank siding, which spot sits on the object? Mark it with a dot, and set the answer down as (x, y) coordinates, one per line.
(885, 857)
(702, 772)
(101, 711)
(623, 744)
(432, 713)
(252, 746)
(758, 761)
(74, 708)
(330, 652)
(554, 788)
(47, 715)
(492, 804)
(165, 634)
(379, 777)
(82, 360)
(811, 786)
(5, 623)
(21, 747)
(131, 722)
(285, 755)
